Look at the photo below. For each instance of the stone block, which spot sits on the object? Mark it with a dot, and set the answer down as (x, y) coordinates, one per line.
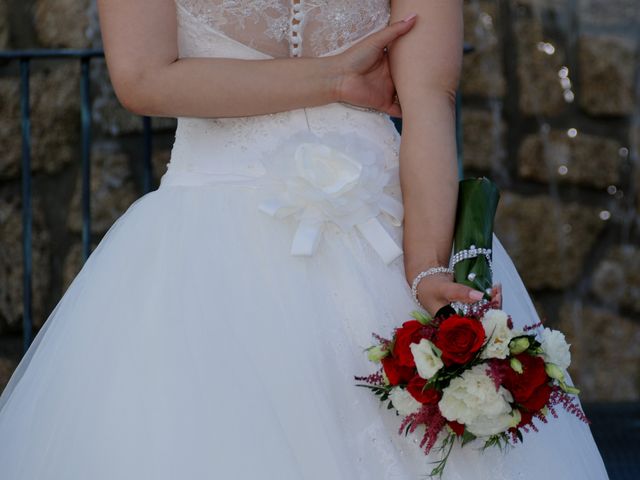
(547, 239)
(4, 24)
(112, 191)
(11, 264)
(605, 351)
(55, 120)
(62, 23)
(607, 69)
(585, 159)
(616, 280)
(599, 13)
(483, 139)
(539, 60)
(482, 70)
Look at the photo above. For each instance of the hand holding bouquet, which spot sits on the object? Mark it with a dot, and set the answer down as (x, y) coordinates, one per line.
(467, 373)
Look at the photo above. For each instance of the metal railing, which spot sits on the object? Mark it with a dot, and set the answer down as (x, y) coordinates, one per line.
(25, 57)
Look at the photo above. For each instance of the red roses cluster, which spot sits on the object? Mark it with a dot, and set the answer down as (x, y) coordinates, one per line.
(458, 338)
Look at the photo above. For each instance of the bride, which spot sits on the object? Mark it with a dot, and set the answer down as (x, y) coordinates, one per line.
(215, 331)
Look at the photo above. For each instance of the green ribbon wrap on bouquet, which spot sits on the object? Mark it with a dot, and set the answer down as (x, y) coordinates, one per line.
(477, 204)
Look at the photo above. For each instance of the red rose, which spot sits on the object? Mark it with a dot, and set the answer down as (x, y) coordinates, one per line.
(410, 332)
(526, 418)
(459, 338)
(422, 395)
(538, 398)
(396, 374)
(523, 385)
(457, 428)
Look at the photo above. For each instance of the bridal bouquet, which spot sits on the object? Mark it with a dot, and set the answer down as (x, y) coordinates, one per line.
(467, 373)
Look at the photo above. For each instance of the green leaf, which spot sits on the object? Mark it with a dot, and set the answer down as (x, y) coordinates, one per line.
(477, 204)
(423, 318)
(467, 437)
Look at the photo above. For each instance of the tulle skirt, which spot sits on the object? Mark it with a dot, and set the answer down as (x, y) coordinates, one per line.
(193, 345)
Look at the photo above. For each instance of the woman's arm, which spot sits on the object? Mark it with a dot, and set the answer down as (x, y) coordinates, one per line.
(425, 66)
(140, 41)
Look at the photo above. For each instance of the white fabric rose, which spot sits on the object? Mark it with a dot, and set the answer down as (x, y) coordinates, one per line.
(333, 178)
(404, 402)
(428, 362)
(496, 328)
(556, 348)
(472, 400)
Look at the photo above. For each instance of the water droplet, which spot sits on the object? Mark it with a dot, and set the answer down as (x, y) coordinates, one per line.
(605, 215)
(572, 133)
(563, 170)
(569, 96)
(563, 72)
(612, 189)
(547, 48)
(623, 152)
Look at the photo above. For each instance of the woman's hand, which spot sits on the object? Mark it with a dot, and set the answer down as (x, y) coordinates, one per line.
(437, 291)
(365, 78)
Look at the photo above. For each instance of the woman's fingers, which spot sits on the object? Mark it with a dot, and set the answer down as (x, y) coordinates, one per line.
(388, 34)
(394, 110)
(496, 296)
(456, 292)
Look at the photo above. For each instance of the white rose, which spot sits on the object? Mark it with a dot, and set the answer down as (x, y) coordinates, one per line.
(484, 426)
(496, 327)
(472, 397)
(404, 402)
(326, 168)
(425, 354)
(556, 349)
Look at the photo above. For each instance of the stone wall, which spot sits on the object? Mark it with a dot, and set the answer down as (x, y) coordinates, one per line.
(551, 113)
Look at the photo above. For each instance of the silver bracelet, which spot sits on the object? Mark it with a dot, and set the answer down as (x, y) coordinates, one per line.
(472, 252)
(421, 275)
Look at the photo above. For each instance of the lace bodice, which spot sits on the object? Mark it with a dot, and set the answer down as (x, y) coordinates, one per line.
(281, 28)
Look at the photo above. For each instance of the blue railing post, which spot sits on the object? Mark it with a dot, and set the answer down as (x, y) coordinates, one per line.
(27, 216)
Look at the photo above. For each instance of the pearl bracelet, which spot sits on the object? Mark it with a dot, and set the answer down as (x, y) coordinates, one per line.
(420, 276)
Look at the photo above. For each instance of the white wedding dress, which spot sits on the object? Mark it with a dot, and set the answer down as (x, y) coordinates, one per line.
(215, 331)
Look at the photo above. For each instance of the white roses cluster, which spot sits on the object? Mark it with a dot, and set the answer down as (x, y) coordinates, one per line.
(472, 399)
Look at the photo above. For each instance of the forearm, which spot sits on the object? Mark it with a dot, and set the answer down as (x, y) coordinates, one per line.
(224, 87)
(426, 66)
(429, 181)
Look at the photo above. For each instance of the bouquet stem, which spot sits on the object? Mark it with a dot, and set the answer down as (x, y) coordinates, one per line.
(477, 203)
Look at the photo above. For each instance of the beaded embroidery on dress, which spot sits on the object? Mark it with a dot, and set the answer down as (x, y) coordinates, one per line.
(215, 330)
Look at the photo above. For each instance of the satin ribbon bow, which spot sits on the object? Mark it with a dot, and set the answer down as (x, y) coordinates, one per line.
(334, 178)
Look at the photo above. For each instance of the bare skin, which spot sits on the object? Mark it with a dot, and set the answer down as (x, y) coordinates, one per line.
(140, 41)
(426, 66)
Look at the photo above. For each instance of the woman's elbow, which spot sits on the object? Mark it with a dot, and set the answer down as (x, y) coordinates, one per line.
(133, 90)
